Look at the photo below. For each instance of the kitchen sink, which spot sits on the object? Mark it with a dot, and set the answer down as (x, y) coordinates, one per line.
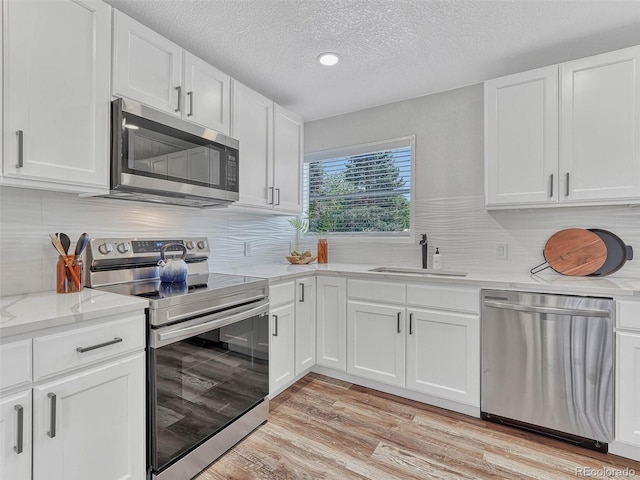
(419, 271)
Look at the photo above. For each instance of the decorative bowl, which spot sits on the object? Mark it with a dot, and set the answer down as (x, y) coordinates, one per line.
(300, 260)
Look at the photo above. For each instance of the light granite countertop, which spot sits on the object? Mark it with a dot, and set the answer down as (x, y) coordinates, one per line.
(20, 314)
(547, 283)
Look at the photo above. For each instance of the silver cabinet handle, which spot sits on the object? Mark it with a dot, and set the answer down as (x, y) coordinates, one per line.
(566, 184)
(52, 425)
(411, 324)
(399, 313)
(551, 185)
(301, 292)
(190, 114)
(179, 89)
(20, 440)
(271, 189)
(278, 190)
(99, 345)
(275, 326)
(20, 135)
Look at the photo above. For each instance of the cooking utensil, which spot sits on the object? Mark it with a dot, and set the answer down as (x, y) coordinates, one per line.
(575, 252)
(81, 244)
(617, 253)
(58, 246)
(65, 241)
(173, 270)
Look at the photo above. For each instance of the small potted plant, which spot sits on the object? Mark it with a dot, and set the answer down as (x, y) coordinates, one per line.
(322, 225)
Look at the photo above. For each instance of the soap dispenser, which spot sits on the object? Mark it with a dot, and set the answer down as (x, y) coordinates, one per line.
(437, 260)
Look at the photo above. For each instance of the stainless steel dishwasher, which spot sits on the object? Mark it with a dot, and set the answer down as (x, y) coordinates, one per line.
(547, 364)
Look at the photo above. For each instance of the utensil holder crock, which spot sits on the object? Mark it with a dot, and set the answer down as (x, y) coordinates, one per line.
(69, 274)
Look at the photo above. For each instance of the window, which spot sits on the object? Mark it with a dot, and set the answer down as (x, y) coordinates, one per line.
(363, 189)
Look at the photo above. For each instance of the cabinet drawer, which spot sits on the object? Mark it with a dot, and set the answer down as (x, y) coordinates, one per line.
(15, 364)
(60, 352)
(628, 314)
(281, 293)
(444, 297)
(385, 292)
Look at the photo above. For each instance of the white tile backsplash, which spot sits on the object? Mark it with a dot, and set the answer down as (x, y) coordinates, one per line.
(27, 217)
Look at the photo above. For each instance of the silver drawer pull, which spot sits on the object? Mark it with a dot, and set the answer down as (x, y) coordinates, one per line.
(99, 345)
(52, 425)
(20, 440)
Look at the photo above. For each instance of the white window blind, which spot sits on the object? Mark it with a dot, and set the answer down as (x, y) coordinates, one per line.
(360, 189)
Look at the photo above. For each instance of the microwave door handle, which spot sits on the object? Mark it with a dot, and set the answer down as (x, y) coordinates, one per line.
(182, 333)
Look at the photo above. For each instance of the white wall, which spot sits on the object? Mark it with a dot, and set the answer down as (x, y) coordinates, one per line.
(448, 186)
(27, 217)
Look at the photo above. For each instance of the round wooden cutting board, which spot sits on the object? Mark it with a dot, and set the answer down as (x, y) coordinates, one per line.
(575, 251)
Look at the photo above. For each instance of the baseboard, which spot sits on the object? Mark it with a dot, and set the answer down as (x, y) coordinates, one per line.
(625, 450)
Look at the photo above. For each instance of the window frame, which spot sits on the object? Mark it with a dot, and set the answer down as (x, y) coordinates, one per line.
(360, 149)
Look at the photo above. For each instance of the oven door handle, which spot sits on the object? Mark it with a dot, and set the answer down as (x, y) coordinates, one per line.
(210, 322)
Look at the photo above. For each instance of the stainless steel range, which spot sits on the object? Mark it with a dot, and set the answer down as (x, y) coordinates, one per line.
(207, 349)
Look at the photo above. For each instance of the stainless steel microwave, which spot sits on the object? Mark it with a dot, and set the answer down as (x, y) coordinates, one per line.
(160, 158)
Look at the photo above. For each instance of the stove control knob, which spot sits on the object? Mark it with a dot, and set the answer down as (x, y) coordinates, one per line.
(201, 244)
(189, 245)
(123, 247)
(105, 248)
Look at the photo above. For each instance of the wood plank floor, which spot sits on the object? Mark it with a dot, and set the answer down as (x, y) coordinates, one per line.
(322, 428)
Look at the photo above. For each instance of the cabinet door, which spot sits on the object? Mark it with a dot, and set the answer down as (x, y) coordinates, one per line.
(331, 322)
(207, 94)
(627, 410)
(146, 66)
(92, 425)
(521, 138)
(15, 436)
(281, 348)
(443, 355)
(57, 94)
(288, 154)
(305, 324)
(252, 125)
(600, 124)
(376, 342)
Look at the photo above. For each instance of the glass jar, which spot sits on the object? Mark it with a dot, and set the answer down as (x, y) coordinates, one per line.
(69, 273)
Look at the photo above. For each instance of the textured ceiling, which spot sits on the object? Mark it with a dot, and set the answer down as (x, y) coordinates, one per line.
(390, 50)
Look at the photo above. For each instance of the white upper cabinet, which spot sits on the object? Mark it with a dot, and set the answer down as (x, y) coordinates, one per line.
(152, 70)
(521, 138)
(600, 125)
(288, 155)
(271, 152)
(252, 126)
(146, 66)
(207, 94)
(567, 138)
(56, 95)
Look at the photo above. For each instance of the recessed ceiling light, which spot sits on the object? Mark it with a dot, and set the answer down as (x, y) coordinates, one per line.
(328, 59)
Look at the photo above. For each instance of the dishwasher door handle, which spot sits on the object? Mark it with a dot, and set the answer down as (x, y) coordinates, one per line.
(577, 312)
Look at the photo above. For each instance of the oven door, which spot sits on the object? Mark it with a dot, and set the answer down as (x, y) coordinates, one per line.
(203, 374)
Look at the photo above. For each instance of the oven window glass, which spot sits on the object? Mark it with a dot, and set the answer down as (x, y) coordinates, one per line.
(154, 150)
(201, 384)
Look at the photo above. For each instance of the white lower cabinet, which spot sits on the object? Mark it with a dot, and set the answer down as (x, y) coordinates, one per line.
(282, 347)
(331, 322)
(376, 342)
(443, 353)
(103, 408)
(627, 424)
(305, 350)
(15, 436)
(421, 337)
(80, 412)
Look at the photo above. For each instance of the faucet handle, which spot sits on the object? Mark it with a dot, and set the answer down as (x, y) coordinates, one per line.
(424, 239)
